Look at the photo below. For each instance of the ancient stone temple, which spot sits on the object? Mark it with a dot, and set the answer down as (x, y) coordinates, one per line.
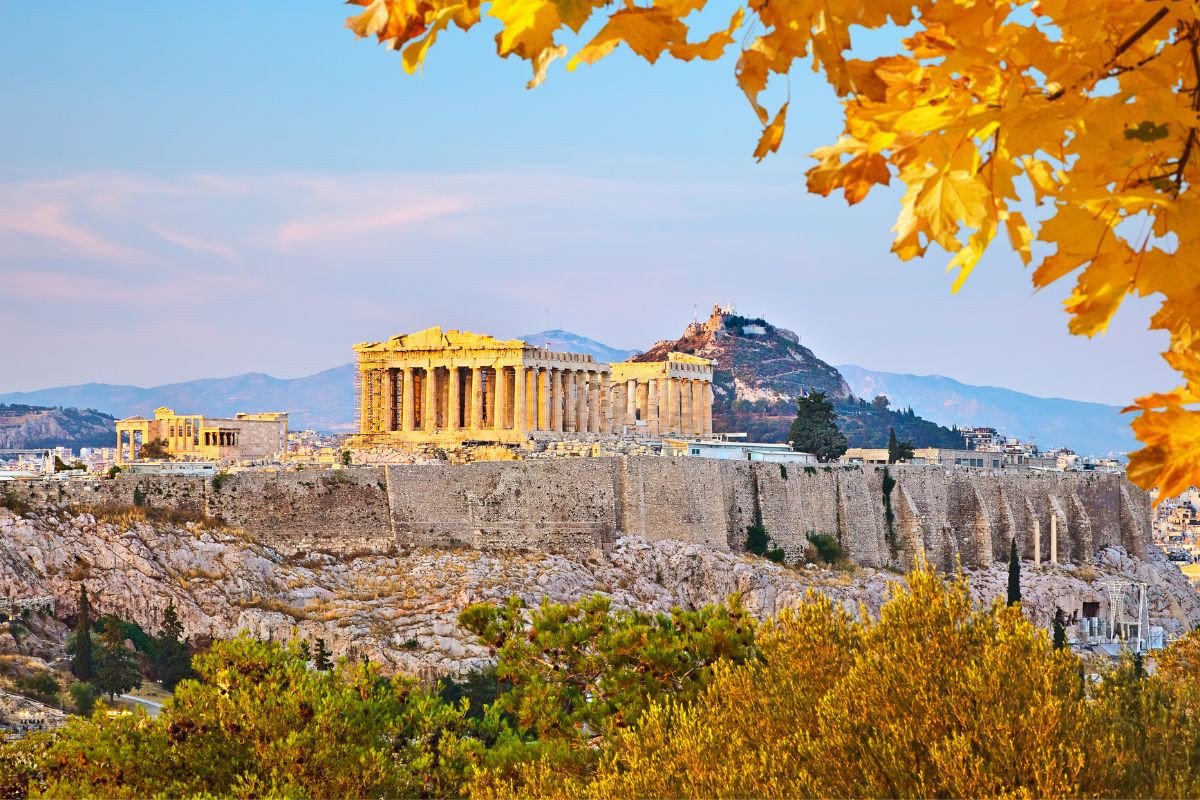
(195, 437)
(451, 387)
(667, 397)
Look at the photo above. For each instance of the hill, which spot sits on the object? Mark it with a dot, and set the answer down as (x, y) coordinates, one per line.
(574, 343)
(25, 426)
(760, 371)
(324, 401)
(1089, 428)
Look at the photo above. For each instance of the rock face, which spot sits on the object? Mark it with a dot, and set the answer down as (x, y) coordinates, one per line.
(572, 505)
(400, 608)
(33, 426)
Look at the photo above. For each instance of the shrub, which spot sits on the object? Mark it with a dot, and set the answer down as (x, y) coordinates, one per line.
(84, 698)
(218, 480)
(828, 548)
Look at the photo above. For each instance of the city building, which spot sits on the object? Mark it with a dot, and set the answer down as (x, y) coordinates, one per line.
(453, 387)
(736, 451)
(929, 455)
(197, 438)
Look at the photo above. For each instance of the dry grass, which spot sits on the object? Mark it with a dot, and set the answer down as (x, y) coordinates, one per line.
(1087, 573)
(127, 516)
(274, 604)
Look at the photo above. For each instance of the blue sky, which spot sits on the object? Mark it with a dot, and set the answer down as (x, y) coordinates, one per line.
(195, 190)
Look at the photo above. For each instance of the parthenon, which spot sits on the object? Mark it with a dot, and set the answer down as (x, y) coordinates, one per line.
(450, 387)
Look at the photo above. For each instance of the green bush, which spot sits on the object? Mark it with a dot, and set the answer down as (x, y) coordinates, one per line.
(84, 698)
(828, 548)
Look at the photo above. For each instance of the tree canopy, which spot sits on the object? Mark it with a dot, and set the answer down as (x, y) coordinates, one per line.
(938, 696)
(1068, 128)
(815, 428)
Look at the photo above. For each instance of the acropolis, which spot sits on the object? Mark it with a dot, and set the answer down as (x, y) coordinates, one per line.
(454, 387)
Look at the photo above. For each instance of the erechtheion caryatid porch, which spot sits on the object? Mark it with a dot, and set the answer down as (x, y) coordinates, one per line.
(436, 386)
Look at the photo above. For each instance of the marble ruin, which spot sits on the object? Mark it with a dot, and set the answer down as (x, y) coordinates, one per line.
(192, 437)
(452, 387)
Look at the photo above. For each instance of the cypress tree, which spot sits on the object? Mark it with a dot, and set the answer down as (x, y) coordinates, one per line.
(1060, 629)
(1014, 575)
(892, 446)
(81, 665)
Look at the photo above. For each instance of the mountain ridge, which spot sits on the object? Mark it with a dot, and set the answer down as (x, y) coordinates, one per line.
(1087, 427)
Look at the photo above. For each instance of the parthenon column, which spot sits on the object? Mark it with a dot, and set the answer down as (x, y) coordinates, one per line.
(531, 398)
(556, 399)
(631, 403)
(389, 399)
(406, 403)
(453, 402)
(697, 406)
(476, 399)
(606, 404)
(685, 417)
(364, 401)
(543, 388)
(595, 406)
(501, 399)
(571, 390)
(619, 403)
(430, 408)
(579, 412)
(643, 400)
(670, 406)
(708, 407)
(583, 386)
(519, 413)
(654, 407)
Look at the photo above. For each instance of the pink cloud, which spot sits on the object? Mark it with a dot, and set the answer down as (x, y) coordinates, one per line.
(49, 221)
(347, 226)
(194, 243)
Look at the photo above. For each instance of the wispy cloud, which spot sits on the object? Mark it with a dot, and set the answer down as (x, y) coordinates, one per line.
(50, 222)
(341, 227)
(195, 243)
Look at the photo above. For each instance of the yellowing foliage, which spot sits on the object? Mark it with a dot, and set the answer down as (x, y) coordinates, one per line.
(1088, 108)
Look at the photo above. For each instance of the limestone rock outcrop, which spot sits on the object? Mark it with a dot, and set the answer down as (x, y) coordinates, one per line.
(400, 608)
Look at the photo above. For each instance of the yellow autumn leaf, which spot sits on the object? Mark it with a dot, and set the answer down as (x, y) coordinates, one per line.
(1170, 459)
(772, 135)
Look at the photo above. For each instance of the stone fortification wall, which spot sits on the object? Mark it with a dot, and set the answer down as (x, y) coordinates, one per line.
(574, 505)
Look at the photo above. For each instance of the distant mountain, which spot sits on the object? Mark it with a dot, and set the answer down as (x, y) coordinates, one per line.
(760, 371)
(565, 341)
(324, 401)
(24, 426)
(1087, 428)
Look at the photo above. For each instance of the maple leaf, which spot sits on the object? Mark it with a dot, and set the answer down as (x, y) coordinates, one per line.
(772, 135)
(1171, 458)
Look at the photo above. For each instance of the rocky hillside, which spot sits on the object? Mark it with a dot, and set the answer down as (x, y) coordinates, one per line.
(761, 370)
(24, 426)
(400, 607)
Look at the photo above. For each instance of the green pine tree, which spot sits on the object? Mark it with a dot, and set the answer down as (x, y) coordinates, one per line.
(1014, 575)
(81, 665)
(117, 666)
(321, 654)
(815, 429)
(172, 660)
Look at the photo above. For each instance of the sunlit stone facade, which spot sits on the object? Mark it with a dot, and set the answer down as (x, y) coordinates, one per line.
(451, 387)
(196, 437)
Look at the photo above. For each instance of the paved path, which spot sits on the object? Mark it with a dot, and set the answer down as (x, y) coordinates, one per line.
(152, 708)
